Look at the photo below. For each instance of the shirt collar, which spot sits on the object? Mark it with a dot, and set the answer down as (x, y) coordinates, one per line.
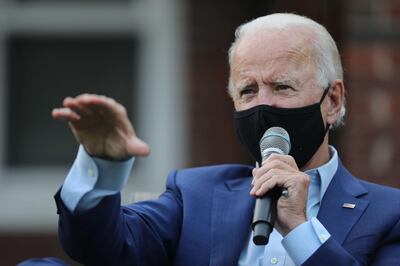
(322, 176)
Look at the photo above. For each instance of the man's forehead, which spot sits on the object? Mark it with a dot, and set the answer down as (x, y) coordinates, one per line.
(280, 58)
(292, 42)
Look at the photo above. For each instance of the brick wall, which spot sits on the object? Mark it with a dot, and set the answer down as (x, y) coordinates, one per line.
(371, 55)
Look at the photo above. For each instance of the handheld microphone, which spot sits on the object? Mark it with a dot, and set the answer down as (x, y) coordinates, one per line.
(274, 140)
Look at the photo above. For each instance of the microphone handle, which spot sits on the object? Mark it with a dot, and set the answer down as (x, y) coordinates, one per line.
(265, 210)
(264, 217)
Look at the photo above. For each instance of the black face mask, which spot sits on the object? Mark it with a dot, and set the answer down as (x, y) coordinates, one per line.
(305, 127)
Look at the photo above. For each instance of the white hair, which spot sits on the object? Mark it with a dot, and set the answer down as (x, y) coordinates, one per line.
(327, 58)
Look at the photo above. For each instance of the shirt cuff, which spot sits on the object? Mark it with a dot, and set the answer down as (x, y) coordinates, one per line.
(304, 240)
(91, 179)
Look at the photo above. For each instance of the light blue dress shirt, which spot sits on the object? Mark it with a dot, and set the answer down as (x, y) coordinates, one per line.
(91, 179)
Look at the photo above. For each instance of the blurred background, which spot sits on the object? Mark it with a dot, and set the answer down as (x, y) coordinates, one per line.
(165, 60)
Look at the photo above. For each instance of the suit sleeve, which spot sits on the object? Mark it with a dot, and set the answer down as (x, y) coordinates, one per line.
(144, 233)
(331, 253)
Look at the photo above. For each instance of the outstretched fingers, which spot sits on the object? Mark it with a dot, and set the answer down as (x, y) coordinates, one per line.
(78, 106)
(65, 114)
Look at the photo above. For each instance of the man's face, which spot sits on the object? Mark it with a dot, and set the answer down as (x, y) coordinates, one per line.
(274, 68)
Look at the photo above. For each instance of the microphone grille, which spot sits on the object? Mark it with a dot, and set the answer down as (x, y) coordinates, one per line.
(275, 139)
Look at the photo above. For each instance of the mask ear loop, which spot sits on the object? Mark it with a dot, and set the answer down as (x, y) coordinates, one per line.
(328, 126)
(326, 90)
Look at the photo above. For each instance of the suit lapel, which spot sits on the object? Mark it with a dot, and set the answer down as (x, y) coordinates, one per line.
(228, 228)
(344, 188)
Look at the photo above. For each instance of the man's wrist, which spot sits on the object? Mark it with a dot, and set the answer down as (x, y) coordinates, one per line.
(105, 156)
(294, 223)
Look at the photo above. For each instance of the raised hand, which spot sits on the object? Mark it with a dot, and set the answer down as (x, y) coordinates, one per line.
(102, 126)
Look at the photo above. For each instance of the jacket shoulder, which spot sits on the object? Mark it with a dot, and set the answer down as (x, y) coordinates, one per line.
(381, 191)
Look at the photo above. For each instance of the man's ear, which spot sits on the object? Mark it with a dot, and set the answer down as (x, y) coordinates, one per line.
(335, 101)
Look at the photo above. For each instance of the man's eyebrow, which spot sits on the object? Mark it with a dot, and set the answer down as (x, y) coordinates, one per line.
(276, 81)
(286, 80)
(244, 83)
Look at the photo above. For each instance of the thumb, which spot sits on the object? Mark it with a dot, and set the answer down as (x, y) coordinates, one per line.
(138, 147)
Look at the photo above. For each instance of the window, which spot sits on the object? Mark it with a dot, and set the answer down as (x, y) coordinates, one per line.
(42, 71)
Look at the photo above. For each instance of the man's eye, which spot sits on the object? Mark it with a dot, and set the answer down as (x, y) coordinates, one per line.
(246, 91)
(282, 87)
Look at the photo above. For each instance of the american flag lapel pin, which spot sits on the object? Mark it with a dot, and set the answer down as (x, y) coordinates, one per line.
(349, 205)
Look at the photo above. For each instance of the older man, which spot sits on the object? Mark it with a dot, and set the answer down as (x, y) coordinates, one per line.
(286, 72)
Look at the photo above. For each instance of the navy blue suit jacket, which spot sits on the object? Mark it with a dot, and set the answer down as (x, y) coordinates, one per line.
(203, 218)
